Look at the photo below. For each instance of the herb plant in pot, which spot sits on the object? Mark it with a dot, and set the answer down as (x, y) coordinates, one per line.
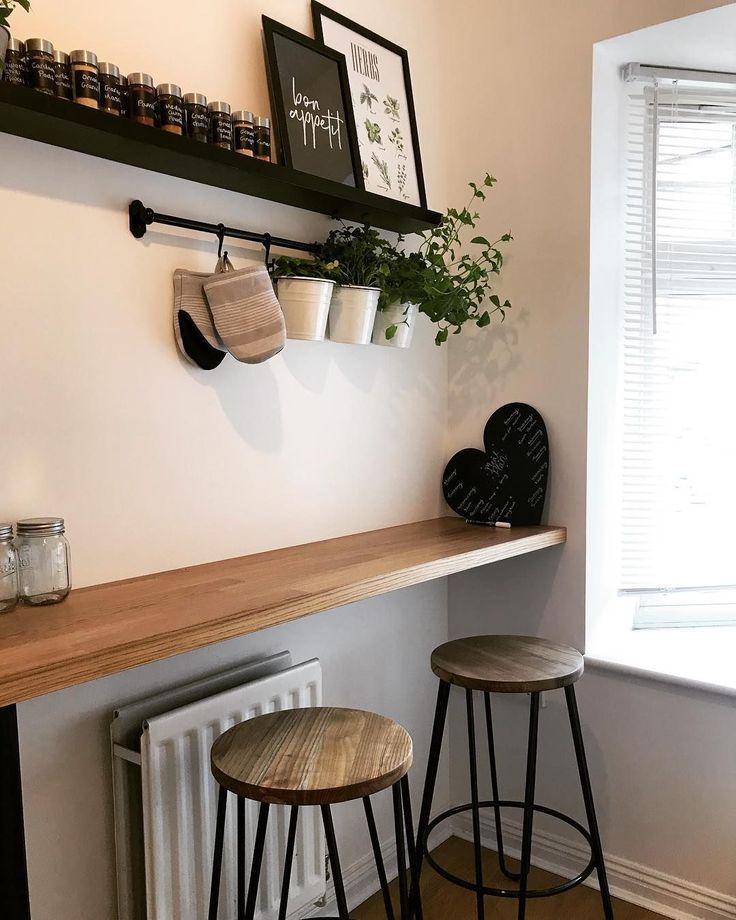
(6, 8)
(362, 258)
(450, 281)
(304, 288)
(396, 318)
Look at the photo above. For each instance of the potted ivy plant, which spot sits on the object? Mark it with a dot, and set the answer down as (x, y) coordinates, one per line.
(304, 289)
(6, 8)
(363, 261)
(450, 282)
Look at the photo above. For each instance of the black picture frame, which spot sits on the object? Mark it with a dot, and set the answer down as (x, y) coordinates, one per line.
(290, 155)
(320, 12)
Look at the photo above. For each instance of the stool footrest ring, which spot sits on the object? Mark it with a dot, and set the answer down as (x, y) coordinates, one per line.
(508, 892)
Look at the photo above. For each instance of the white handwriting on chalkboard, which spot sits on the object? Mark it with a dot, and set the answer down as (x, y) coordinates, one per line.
(313, 121)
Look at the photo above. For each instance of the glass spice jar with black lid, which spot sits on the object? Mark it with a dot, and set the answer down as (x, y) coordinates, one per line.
(142, 98)
(195, 105)
(15, 63)
(170, 107)
(111, 99)
(85, 78)
(262, 138)
(243, 136)
(62, 75)
(221, 126)
(40, 65)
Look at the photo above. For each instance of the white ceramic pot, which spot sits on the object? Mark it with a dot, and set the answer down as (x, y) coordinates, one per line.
(305, 303)
(352, 312)
(4, 39)
(404, 317)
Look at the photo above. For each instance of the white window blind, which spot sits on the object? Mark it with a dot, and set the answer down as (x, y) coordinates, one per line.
(678, 362)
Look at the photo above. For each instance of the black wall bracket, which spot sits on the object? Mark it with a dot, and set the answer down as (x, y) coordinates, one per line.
(140, 218)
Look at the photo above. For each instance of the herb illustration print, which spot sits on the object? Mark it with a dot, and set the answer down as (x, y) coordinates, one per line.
(391, 108)
(373, 130)
(368, 98)
(382, 167)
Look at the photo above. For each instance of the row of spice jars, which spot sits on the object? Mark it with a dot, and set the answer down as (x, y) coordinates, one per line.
(79, 77)
(35, 565)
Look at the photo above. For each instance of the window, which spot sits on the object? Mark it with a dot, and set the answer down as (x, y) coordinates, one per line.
(678, 362)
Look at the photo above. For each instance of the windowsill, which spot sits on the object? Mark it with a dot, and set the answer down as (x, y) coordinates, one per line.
(702, 658)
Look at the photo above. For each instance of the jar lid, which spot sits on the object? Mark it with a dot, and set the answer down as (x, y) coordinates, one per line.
(262, 122)
(141, 79)
(39, 44)
(195, 99)
(61, 57)
(242, 115)
(83, 57)
(15, 44)
(219, 107)
(40, 527)
(110, 69)
(6, 531)
(168, 89)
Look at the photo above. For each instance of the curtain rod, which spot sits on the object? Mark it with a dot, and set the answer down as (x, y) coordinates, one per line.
(632, 73)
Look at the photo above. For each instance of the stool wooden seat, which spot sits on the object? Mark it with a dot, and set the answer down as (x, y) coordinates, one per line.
(507, 664)
(312, 756)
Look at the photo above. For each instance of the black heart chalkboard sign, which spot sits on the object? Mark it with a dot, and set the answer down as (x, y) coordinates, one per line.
(508, 480)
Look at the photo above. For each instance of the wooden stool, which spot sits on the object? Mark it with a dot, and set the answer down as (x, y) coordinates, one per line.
(508, 664)
(319, 756)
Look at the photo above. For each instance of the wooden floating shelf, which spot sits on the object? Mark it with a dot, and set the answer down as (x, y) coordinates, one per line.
(100, 630)
(27, 113)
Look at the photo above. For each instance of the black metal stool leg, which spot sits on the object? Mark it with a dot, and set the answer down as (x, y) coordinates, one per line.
(514, 876)
(531, 775)
(595, 837)
(290, 842)
(400, 851)
(435, 749)
(241, 856)
(480, 906)
(217, 859)
(342, 904)
(380, 868)
(415, 896)
(255, 867)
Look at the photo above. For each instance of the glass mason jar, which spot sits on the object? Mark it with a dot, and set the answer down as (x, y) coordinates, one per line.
(44, 574)
(8, 570)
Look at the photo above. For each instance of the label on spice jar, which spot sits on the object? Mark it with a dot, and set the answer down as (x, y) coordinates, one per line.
(63, 81)
(86, 85)
(263, 143)
(111, 96)
(142, 105)
(171, 112)
(15, 68)
(245, 141)
(41, 75)
(222, 131)
(198, 122)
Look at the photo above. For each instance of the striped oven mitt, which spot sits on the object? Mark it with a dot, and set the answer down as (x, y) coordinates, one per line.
(194, 328)
(246, 313)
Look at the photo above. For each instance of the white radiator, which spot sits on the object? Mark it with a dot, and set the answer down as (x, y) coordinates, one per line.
(178, 799)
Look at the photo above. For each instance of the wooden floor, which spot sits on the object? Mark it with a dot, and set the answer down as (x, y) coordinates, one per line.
(444, 901)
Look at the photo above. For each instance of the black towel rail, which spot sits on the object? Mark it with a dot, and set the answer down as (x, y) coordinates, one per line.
(142, 217)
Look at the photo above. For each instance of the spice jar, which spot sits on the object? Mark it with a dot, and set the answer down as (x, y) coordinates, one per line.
(62, 75)
(111, 99)
(15, 63)
(142, 98)
(85, 78)
(243, 137)
(221, 126)
(8, 570)
(198, 120)
(262, 138)
(43, 560)
(40, 65)
(170, 108)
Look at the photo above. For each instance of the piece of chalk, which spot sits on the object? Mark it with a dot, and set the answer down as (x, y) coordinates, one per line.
(502, 524)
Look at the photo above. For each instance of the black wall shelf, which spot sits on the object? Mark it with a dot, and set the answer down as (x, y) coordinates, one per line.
(26, 113)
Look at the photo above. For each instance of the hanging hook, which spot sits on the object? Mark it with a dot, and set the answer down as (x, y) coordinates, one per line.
(220, 240)
(267, 246)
